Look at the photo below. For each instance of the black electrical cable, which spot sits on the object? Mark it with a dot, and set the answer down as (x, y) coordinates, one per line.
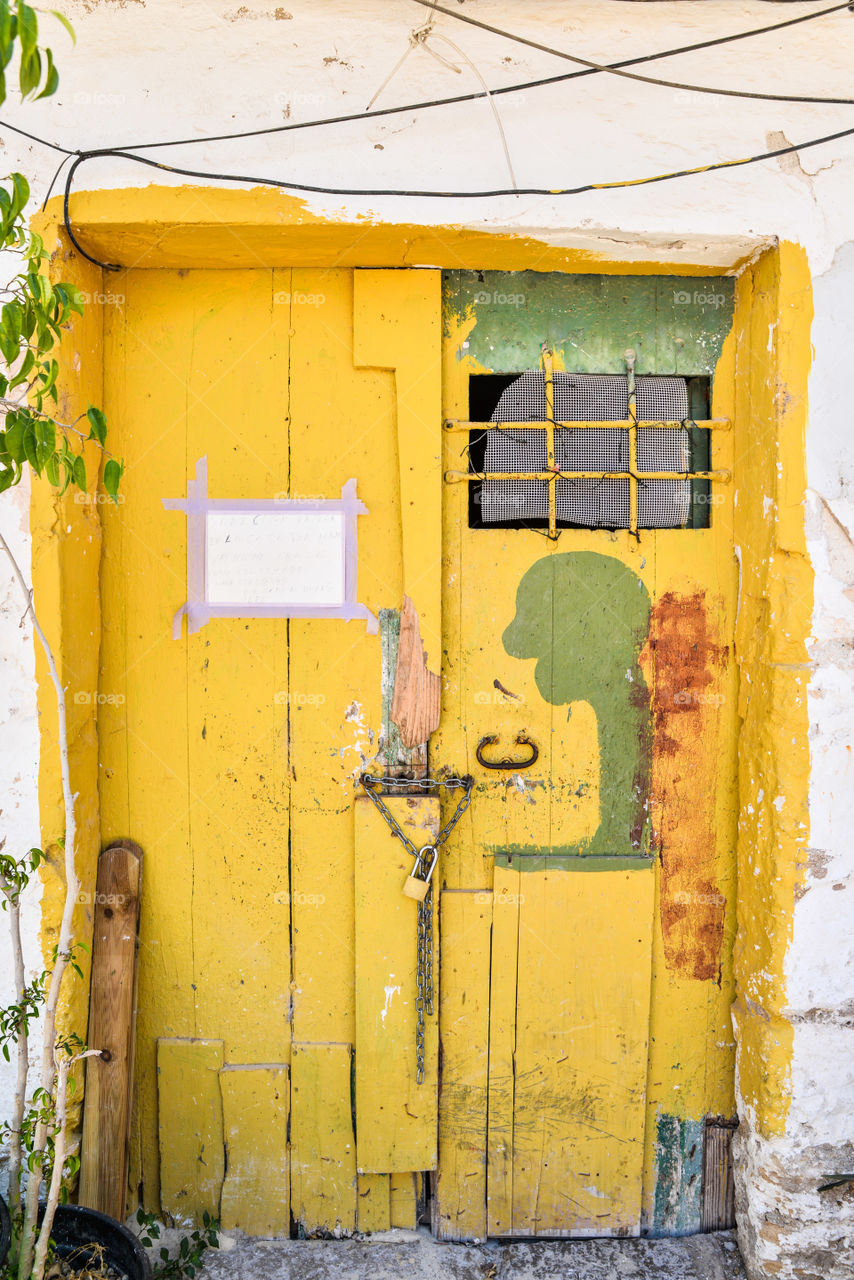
(35, 138)
(83, 156)
(632, 75)
(512, 88)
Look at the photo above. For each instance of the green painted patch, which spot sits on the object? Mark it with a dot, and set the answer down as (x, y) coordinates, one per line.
(676, 324)
(678, 1177)
(523, 858)
(584, 617)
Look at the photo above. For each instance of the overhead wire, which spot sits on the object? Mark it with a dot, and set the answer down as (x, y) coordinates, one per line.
(294, 126)
(316, 189)
(633, 75)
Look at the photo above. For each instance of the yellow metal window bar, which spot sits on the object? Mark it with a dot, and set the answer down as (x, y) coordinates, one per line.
(554, 473)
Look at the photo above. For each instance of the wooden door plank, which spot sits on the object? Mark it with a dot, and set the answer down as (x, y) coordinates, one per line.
(397, 324)
(373, 1207)
(256, 1189)
(237, 406)
(502, 1050)
(466, 928)
(323, 1148)
(582, 1034)
(106, 1112)
(404, 1201)
(192, 1144)
(396, 1118)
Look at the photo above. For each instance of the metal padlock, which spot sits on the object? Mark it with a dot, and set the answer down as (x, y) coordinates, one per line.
(414, 886)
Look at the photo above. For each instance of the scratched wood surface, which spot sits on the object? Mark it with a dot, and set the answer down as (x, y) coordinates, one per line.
(395, 1116)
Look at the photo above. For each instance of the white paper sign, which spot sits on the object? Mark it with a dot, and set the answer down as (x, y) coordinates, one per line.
(275, 557)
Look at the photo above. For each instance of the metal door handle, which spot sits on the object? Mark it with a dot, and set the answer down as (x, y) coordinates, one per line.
(506, 762)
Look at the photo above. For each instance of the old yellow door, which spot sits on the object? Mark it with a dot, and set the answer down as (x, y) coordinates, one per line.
(586, 906)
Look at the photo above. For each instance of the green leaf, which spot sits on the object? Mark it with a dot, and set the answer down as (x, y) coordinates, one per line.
(29, 73)
(31, 452)
(51, 83)
(60, 17)
(45, 436)
(79, 474)
(28, 28)
(97, 425)
(21, 192)
(15, 439)
(113, 472)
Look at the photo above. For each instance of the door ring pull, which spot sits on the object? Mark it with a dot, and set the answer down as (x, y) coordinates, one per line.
(505, 762)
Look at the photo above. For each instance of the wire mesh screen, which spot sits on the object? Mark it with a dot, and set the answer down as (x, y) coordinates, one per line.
(595, 503)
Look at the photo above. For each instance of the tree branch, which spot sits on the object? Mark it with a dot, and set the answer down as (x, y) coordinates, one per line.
(72, 888)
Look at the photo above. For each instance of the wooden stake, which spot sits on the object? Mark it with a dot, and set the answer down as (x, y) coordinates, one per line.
(112, 1010)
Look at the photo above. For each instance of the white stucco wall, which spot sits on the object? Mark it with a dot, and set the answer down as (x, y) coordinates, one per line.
(153, 69)
(19, 818)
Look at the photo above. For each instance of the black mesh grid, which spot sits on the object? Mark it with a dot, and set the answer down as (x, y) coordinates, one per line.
(597, 503)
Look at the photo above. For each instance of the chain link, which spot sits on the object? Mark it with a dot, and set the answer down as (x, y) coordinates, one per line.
(423, 858)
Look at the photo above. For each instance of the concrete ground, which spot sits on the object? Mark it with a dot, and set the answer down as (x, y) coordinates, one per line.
(405, 1255)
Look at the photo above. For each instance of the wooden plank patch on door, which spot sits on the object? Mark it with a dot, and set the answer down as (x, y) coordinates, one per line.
(396, 1118)
(255, 1193)
(192, 1145)
(323, 1156)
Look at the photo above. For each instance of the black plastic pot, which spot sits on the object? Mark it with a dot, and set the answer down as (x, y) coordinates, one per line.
(75, 1228)
(5, 1231)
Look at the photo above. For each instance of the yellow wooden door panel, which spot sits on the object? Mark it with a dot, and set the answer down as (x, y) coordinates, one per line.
(614, 656)
(178, 773)
(580, 1059)
(236, 415)
(396, 1118)
(342, 426)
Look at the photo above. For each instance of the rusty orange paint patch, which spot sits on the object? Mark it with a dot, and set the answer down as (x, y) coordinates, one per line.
(688, 661)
